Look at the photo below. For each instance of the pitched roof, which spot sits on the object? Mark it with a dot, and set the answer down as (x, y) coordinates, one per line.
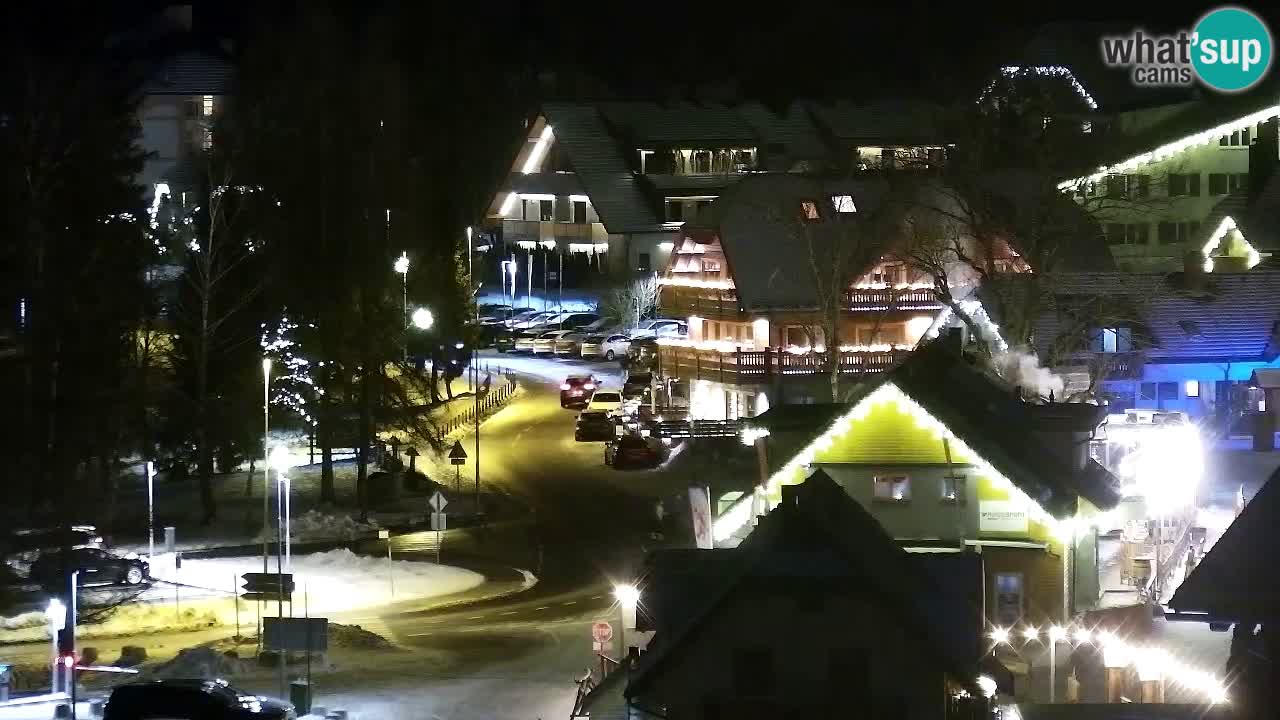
(1253, 213)
(597, 159)
(767, 246)
(983, 410)
(817, 532)
(1236, 578)
(1234, 319)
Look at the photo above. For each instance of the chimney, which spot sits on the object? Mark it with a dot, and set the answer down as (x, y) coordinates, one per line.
(1193, 274)
(1264, 153)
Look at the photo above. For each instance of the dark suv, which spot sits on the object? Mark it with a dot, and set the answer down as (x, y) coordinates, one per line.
(192, 700)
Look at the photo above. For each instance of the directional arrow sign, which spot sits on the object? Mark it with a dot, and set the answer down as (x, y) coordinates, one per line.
(457, 456)
(437, 502)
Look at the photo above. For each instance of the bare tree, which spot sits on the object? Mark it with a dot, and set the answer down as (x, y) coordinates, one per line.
(631, 302)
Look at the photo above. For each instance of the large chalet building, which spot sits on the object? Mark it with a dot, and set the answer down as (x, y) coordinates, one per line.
(613, 182)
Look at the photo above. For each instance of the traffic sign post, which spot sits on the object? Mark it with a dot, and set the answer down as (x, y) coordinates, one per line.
(438, 502)
(601, 635)
(457, 458)
(261, 587)
(391, 568)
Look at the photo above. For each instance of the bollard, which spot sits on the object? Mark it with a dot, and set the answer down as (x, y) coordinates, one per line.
(170, 539)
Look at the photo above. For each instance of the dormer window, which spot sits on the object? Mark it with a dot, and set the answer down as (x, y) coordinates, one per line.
(1113, 340)
(843, 204)
(809, 211)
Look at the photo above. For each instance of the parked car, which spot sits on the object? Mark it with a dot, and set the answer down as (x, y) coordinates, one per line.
(524, 340)
(192, 700)
(642, 355)
(569, 344)
(631, 450)
(574, 321)
(545, 344)
(601, 325)
(661, 327)
(96, 566)
(594, 425)
(637, 385)
(608, 401)
(576, 390)
(533, 320)
(610, 347)
(27, 544)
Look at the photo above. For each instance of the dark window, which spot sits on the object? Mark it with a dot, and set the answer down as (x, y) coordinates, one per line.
(643, 264)
(1244, 136)
(1115, 233)
(1224, 141)
(1239, 181)
(1217, 183)
(1177, 185)
(1166, 233)
(1166, 391)
(1193, 184)
(675, 210)
(1143, 185)
(1112, 340)
(1116, 186)
(1137, 233)
(580, 211)
(1146, 392)
(546, 210)
(1235, 138)
(753, 672)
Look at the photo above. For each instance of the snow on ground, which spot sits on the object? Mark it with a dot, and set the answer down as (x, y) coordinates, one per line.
(315, 525)
(126, 620)
(332, 581)
(553, 369)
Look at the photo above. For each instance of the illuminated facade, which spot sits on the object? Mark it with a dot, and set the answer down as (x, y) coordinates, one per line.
(948, 459)
(610, 184)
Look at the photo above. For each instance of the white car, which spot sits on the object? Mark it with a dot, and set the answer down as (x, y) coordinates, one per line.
(546, 342)
(606, 401)
(611, 347)
(663, 327)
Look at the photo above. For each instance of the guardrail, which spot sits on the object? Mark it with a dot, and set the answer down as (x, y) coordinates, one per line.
(490, 400)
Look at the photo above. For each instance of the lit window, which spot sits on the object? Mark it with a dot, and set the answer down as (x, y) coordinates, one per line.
(953, 488)
(1191, 388)
(206, 105)
(893, 488)
(809, 210)
(843, 203)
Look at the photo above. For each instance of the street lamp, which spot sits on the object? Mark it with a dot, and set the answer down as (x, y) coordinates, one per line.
(628, 597)
(57, 615)
(402, 267)
(423, 319)
(281, 460)
(266, 456)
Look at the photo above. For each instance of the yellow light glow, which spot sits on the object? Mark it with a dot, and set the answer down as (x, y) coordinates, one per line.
(666, 246)
(508, 203)
(706, 284)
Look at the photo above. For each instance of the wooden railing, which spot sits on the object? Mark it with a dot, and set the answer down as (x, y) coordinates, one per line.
(753, 366)
(868, 300)
(685, 301)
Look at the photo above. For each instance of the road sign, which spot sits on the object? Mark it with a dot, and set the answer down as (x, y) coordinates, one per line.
(438, 502)
(438, 521)
(384, 534)
(457, 455)
(601, 632)
(267, 586)
(301, 634)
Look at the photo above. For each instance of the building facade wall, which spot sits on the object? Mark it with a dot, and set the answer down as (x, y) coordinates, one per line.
(811, 645)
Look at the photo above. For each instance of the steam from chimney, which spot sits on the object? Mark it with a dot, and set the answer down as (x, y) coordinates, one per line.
(1023, 370)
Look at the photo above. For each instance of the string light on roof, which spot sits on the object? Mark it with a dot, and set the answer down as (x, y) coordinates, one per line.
(1055, 71)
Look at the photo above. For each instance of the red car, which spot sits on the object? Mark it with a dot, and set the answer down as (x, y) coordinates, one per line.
(576, 390)
(631, 450)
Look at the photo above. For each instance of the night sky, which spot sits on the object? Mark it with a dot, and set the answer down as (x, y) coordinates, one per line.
(772, 51)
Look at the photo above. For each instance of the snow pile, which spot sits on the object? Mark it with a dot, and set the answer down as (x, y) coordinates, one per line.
(335, 580)
(197, 662)
(314, 525)
(25, 620)
(356, 637)
(123, 621)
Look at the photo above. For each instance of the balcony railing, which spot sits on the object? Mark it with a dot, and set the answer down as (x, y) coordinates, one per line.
(539, 231)
(679, 301)
(869, 300)
(756, 366)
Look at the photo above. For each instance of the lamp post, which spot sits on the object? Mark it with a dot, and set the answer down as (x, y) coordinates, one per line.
(151, 510)
(266, 457)
(628, 597)
(281, 460)
(57, 615)
(1056, 634)
(475, 369)
(402, 267)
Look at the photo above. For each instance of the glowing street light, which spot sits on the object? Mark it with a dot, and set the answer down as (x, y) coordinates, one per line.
(1000, 636)
(628, 597)
(281, 460)
(423, 319)
(402, 264)
(1031, 633)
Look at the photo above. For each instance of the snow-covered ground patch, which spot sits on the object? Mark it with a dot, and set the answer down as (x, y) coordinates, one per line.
(315, 525)
(331, 581)
(136, 619)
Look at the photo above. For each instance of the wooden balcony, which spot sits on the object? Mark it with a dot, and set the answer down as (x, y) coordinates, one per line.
(564, 232)
(679, 301)
(762, 366)
(871, 300)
